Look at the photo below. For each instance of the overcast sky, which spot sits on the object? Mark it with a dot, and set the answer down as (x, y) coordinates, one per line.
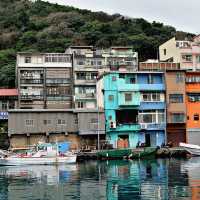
(182, 14)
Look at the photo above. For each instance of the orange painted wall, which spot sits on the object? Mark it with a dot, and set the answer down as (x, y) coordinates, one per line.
(192, 107)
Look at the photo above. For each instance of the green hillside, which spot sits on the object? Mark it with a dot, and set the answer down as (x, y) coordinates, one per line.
(45, 27)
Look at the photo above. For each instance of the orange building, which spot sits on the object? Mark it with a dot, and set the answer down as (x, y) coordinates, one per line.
(193, 107)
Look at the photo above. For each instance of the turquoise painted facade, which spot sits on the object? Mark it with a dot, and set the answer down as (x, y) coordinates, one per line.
(134, 108)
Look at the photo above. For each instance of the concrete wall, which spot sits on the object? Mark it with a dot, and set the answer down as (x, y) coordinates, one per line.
(17, 122)
(88, 123)
(171, 51)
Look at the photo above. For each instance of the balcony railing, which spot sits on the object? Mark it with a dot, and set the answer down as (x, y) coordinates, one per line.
(58, 81)
(31, 81)
(162, 66)
(87, 95)
(31, 97)
(126, 127)
(153, 126)
(58, 97)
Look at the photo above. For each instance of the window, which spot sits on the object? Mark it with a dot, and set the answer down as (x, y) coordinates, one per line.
(29, 122)
(196, 117)
(179, 78)
(99, 62)
(198, 59)
(178, 118)
(149, 97)
(193, 79)
(122, 76)
(194, 97)
(80, 62)
(114, 78)
(4, 105)
(110, 97)
(128, 97)
(187, 58)
(176, 98)
(61, 122)
(94, 120)
(133, 80)
(60, 58)
(94, 76)
(152, 116)
(81, 76)
(46, 122)
(165, 51)
(27, 59)
(80, 104)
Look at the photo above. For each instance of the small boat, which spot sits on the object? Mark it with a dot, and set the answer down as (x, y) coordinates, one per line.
(43, 154)
(193, 149)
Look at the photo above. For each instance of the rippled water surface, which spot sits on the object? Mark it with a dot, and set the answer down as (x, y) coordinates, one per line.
(108, 180)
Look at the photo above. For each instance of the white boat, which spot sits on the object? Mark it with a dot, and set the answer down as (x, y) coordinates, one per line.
(45, 154)
(191, 148)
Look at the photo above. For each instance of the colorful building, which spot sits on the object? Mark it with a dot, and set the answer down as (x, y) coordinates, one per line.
(135, 109)
(176, 106)
(193, 107)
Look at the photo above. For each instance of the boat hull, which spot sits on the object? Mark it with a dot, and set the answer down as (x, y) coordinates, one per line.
(194, 150)
(127, 153)
(14, 161)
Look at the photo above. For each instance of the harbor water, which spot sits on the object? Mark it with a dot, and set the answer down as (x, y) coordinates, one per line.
(104, 180)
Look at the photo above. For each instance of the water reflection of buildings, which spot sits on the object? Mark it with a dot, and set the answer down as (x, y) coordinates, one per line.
(39, 182)
(112, 180)
(137, 180)
(192, 168)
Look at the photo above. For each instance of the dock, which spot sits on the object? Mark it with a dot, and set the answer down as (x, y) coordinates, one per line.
(174, 152)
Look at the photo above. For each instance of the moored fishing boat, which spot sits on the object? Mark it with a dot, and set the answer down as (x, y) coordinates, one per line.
(127, 153)
(44, 154)
(194, 150)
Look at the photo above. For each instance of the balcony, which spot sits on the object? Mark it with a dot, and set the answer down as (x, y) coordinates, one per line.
(153, 126)
(31, 81)
(159, 66)
(86, 96)
(126, 127)
(53, 81)
(152, 87)
(31, 97)
(85, 82)
(59, 98)
(155, 105)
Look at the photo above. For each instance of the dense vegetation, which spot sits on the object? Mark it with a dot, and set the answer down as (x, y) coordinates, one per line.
(41, 26)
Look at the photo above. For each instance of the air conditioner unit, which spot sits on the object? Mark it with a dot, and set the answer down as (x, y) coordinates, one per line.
(112, 124)
(143, 126)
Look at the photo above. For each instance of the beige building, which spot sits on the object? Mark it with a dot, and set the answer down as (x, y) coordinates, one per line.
(185, 52)
(44, 80)
(89, 63)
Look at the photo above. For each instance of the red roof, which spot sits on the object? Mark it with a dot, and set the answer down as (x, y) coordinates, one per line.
(8, 92)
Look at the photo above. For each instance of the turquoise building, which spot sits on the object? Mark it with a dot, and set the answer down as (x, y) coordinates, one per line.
(135, 108)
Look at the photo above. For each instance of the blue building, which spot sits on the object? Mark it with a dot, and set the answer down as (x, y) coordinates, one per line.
(135, 108)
